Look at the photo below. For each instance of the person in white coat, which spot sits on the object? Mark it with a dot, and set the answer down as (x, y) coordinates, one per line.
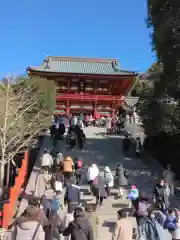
(46, 160)
(109, 180)
(92, 174)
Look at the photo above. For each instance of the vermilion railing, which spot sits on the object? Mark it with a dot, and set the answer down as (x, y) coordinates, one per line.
(15, 191)
(71, 96)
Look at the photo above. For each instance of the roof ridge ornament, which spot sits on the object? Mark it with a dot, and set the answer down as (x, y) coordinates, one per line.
(46, 63)
(115, 65)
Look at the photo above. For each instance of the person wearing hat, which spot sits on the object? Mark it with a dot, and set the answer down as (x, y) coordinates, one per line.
(67, 167)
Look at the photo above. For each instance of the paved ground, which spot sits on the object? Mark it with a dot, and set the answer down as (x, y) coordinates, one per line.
(103, 151)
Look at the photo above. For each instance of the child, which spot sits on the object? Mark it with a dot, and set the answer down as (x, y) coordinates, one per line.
(133, 194)
(171, 221)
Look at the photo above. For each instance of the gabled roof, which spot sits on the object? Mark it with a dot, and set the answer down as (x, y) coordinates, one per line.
(81, 66)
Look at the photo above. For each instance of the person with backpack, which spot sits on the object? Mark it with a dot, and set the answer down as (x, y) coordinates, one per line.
(141, 208)
(79, 228)
(78, 170)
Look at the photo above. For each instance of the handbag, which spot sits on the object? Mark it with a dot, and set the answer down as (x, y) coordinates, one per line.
(58, 186)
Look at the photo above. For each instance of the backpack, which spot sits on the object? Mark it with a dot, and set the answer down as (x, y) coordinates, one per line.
(55, 204)
(142, 209)
(79, 164)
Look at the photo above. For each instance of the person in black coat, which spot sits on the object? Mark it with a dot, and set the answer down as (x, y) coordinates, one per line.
(61, 131)
(80, 228)
(80, 139)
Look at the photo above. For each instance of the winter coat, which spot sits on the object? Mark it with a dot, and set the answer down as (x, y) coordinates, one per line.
(133, 194)
(79, 229)
(28, 228)
(138, 147)
(169, 176)
(98, 188)
(72, 194)
(94, 222)
(120, 178)
(108, 177)
(159, 216)
(59, 177)
(92, 172)
(40, 184)
(47, 160)
(170, 223)
(62, 128)
(123, 230)
(67, 165)
(59, 158)
(152, 229)
(159, 192)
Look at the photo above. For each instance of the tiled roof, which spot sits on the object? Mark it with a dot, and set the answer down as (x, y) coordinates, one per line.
(81, 66)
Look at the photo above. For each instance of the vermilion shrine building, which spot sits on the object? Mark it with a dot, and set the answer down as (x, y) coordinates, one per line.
(88, 85)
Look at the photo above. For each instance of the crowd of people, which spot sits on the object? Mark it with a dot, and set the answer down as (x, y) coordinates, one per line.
(58, 185)
(57, 210)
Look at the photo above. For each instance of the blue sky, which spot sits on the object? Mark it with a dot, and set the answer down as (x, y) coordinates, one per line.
(32, 29)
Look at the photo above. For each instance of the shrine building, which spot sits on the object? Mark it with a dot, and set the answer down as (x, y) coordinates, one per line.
(86, 85)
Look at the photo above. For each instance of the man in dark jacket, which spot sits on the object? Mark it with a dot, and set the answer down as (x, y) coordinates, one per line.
(72, 195)
(80, 228)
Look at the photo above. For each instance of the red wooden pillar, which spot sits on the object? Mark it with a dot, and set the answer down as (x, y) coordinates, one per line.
(113, 110)
(67, 108)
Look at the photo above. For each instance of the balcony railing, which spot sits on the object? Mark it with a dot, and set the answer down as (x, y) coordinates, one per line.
(75, 96)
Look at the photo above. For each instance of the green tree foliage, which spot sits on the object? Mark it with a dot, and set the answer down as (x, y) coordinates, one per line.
(161, 111)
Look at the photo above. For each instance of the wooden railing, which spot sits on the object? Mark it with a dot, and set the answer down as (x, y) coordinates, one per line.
(15, 191)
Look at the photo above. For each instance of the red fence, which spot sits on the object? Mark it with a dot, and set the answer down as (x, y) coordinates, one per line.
(15, 191)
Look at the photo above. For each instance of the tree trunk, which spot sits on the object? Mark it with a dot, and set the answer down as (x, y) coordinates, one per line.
(1, 177)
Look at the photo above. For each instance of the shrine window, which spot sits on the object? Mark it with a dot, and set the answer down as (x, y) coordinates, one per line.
(103, 81)
(89, 81)
(73, 88)
(75, 80)
(105, 90)
(88, 87)
(99, 89)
